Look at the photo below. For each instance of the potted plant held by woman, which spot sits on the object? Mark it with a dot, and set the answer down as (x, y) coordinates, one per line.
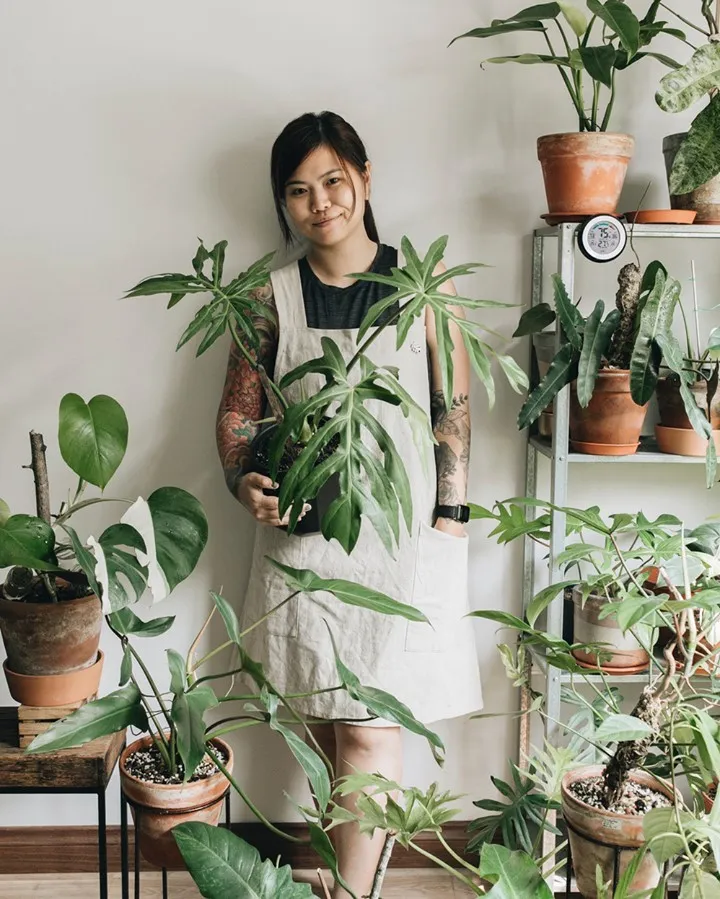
(610, 362)
(51, 608)
(324, 435)
(584, 171)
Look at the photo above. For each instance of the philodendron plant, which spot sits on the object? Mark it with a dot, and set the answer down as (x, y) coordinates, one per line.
(182, 732)
(631, 336)
(588, 48)
(335, 427)
(156, 542)
(698, 159)
(671, 732)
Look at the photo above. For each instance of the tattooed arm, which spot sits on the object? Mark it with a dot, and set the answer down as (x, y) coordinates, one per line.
(450, 426)
(243, 398)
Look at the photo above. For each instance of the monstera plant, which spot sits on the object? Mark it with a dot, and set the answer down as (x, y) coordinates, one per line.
(59, 585)
(330, 434)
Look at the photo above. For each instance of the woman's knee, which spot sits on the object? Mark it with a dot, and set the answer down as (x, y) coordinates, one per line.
(357, 740)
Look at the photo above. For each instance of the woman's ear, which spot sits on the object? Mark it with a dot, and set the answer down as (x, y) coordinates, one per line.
(367, 179)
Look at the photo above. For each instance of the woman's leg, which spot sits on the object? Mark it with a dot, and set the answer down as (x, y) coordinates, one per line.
(371, 750)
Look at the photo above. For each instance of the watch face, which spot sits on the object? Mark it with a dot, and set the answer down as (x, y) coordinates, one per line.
(603, 238)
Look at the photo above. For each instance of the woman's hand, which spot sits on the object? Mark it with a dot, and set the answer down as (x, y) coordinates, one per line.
(263, 508)
(448, 526)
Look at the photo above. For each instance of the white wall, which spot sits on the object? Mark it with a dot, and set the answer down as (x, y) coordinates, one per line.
(129, 129)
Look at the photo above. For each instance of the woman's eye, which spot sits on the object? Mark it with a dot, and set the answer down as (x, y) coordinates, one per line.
(333, 181)
(297, 191)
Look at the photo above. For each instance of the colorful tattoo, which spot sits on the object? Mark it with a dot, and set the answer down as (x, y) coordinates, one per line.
(243, 399)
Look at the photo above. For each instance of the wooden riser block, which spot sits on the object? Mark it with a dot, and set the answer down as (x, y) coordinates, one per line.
(35, 720)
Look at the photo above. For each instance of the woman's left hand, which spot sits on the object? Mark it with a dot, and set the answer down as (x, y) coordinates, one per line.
(448, 526)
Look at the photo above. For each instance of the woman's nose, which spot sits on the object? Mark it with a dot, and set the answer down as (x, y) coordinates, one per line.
(320, 201)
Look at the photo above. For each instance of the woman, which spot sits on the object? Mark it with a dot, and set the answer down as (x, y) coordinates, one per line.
(321, 180)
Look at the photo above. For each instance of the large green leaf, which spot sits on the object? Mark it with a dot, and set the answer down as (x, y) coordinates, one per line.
(599, 62)
(621, 20)
(228, 616)
(698, 884)
(660, 830)
(126, 622)
(181, 532)
(531, 59)
(99, 718)
(535, 319)
(596, 339)
(501, 28)
(515, 875)
(306, 581)
(655, 319)
(698, 160)
(117, 569)
(561, 372)
(680, 89)
(188, 713)
(27, 541)
(575, 17)
(4, 512)
(223, 865)
(383, 705)
(92, 436)
(570, 318)
(311, 763)
(621, 728)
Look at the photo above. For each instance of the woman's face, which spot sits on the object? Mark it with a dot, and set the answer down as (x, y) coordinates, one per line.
(326, 203)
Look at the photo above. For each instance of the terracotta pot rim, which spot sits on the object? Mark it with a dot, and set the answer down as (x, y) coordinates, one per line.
(588, 771)
(52, 605)
(588, 135)
(169, 788)
(36, 677)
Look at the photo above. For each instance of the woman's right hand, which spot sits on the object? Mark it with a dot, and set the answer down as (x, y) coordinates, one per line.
(263, 508)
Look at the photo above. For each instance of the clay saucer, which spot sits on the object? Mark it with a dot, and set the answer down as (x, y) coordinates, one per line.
(609, 669)
(557, 218)
(661, 217)
(604, 449)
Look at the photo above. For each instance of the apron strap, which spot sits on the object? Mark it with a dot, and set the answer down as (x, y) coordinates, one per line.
(287, 289)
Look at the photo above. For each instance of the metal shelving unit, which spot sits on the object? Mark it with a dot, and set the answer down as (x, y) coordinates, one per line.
(560, 458)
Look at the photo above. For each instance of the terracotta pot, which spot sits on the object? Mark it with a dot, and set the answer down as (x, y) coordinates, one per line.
(612, 421)
(705, 199)
(683, 442)
(672, 409)
(586, 824)
(53, 690)
(623, 650)
(584, 172)
(163, 806)
(51, 637)
(661, 217)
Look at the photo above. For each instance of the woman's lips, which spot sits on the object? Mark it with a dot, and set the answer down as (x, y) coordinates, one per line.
(326, 222)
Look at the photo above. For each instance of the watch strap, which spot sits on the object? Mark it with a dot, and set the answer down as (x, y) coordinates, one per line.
(455, 513)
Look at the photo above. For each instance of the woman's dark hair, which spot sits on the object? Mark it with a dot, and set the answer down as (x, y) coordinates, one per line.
(297, 140)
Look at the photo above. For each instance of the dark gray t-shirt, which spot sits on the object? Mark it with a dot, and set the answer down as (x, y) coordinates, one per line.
(331, 308)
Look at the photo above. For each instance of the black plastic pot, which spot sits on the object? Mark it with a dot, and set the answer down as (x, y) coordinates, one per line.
(260, 462)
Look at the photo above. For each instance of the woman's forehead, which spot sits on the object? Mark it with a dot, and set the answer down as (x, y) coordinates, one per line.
(317, 165)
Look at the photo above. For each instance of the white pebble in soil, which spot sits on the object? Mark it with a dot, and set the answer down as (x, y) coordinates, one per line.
(636, 799)
(148, 765)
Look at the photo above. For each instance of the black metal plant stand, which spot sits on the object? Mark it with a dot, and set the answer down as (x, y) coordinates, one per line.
(617, 850)
(138, 809)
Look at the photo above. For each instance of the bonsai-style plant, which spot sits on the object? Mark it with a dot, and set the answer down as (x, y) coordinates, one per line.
(324, 436)
(693, 158)
(649, 577)
(51, 602)
(618, 352)
(588, 47)
(183, 751)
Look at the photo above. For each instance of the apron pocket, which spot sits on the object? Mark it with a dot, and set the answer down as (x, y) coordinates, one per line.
(440, 591)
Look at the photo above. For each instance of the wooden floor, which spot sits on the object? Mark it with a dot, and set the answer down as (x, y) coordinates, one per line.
(399, 884)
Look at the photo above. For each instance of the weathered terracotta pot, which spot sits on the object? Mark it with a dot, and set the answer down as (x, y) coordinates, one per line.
(612, 422)
(51, 637)
(624, 651)
(54, 690)
(683, 442)
(672, 409)
(705, 200)
(624, 831)
(163, 806)
(584, 172)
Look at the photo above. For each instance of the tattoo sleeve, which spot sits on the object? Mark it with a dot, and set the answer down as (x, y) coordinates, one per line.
(452, 453)
(243, 398)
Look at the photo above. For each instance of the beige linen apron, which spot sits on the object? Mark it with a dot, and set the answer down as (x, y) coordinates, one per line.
(434, 669)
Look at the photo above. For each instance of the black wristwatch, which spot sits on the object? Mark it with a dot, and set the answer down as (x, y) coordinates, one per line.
(455, 513)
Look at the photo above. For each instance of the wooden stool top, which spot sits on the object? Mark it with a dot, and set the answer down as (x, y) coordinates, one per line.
(86, 768)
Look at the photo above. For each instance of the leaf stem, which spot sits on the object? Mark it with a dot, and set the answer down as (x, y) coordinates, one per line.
(452, 871)
(271, 612)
